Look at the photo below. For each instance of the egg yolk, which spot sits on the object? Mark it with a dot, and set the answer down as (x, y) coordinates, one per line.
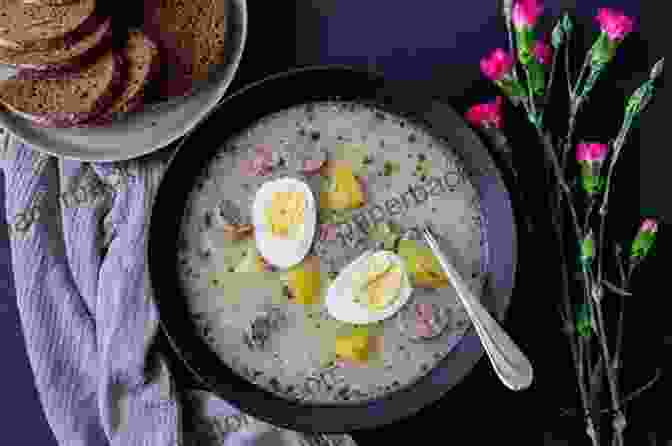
(286, 213)
(382, 283)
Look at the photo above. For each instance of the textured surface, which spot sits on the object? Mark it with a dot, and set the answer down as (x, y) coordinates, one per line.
(61, 52)
(303, 348)
(143, 62)
(71, 95)
(21, 22)
(195, 46)
(67, 101)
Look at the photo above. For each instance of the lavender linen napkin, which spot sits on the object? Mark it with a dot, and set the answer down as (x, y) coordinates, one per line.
(78, 238)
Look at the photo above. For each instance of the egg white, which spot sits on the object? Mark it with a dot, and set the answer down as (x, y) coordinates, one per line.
(278, 251)
(340, 295)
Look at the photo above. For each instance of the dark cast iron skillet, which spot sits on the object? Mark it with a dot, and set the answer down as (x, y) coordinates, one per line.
(239, 111)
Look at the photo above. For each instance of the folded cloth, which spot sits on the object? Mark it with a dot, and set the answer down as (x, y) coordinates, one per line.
(78, 237)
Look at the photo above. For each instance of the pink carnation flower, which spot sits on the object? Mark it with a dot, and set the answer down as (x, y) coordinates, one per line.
(486, 115)
(526, 13)
(649, 225)
(616, 24)
(498, 65)
(591, 152)
(543, 53)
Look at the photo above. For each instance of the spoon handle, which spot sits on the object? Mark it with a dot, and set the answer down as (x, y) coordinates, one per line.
(510, 364)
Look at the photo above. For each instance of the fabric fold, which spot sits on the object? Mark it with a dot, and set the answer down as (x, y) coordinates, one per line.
(78, 237)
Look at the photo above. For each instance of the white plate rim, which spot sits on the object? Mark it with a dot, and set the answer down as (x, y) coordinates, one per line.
(189, 111)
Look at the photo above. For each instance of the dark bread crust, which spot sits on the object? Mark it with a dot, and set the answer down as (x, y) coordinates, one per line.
(143, 61)
(68, 40)
(22, 23)
(48, 2)
(68, 101)
(62, 55)
(192, 37)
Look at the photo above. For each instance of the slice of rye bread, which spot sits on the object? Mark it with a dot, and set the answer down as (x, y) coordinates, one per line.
(69, 39)
(23, 24)
(68, 101)
(142, 58)
(62, 56)
(191, 35)
(48, 2)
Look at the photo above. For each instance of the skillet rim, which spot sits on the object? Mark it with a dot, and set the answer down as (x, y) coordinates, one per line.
(261, 404)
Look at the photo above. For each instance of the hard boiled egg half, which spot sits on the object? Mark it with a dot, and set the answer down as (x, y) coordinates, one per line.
(284, 217)
(370, 289)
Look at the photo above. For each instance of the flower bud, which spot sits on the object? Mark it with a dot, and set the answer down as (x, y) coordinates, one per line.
(498, 65)
(486, 115)
(614, 24)
(558, 35)
(526, 13)
(591, 157)
(543, 53)
(657, 69)
(644, 240)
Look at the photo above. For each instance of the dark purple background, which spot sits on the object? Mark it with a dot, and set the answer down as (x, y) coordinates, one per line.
(438, 44)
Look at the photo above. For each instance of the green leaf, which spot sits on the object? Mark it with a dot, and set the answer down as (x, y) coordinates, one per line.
(640, 99)
(512, 88)
(558, 35)
(592, 184)
(588, 248)
(535, 119)
(595, 73)
(584, 324)
(525, 45)
(642, 245)
(537, 77)
(567, 24)
(604, 50)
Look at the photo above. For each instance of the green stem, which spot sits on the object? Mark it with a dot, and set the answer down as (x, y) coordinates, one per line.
(565, 191)
(559, 177)
(533, 109)
(625, 284)
(547, 97)
(575, 103)
(589, 212)
(512, 45)
(574, 109)
(586, 64)
(631, 396)
(590, 428)
(568, 70)
(619, 420)
(613, 385)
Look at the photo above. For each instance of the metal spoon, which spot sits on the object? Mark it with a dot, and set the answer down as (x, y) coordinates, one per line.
(510, 364)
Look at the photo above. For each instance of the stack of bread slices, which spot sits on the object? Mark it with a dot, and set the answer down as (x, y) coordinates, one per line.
(73, 70)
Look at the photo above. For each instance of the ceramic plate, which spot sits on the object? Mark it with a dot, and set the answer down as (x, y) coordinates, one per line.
(142, 132)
